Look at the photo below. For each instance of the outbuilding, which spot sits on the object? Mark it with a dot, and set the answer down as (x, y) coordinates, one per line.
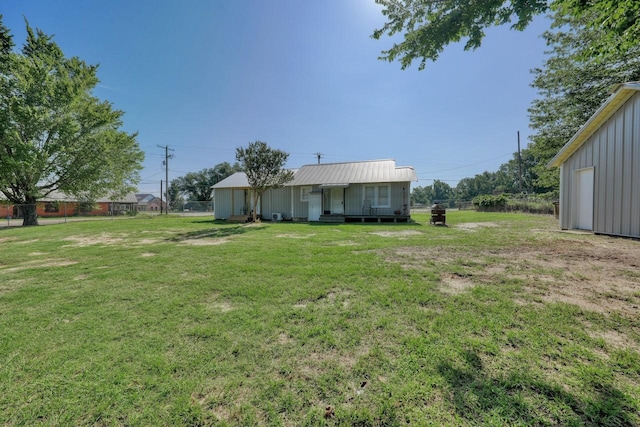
(600, 168)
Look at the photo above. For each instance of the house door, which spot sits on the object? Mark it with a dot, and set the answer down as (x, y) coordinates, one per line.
(315, 206)
(337, 201)
(584, 199)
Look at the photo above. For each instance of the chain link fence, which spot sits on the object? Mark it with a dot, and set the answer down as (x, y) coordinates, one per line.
(192, 207)
(61, 211)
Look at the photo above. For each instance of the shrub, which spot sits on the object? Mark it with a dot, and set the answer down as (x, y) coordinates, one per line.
(489, 203)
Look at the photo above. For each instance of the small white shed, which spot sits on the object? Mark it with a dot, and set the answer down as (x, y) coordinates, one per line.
(600, 168)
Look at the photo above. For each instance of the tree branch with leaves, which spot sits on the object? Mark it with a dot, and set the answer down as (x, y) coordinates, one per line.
(264, 168)
(429, 26)
(54, 134)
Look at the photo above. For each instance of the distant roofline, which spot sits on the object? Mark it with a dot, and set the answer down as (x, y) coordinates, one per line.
(345, 163)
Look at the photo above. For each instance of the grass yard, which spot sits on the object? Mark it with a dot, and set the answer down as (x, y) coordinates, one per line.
(497, 319)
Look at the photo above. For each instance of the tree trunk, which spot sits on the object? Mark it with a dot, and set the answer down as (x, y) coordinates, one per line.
(255, 206)
(29, 212)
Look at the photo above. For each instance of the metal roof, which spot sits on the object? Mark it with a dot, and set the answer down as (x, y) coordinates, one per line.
(237, 180)
(353, 173)
(336, 174)
(621, 93)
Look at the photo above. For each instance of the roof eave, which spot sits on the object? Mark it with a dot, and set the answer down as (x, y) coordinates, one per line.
(621, 93)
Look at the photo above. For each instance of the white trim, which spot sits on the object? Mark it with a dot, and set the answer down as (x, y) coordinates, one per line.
(621, 94)
(375, 202)
(304, 193)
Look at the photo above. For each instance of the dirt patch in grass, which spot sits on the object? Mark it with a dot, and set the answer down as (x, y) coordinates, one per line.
(614, 339)
(474, 226)
(349, 243)
(146, 241)
(214, 303)
(102, 239)
(6, 239)
(44, 263)
(596, 273)
(147, 255)
(220, 306)
(284, 339)
(401, 233)
(205, 242)
(295, 236)
(454, 284)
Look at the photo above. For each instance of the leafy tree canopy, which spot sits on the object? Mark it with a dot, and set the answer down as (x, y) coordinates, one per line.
(54, 134)
(572, 85)
(439, 191)
(574, 81)
(428, 26)
(264, 168)
(196, 186)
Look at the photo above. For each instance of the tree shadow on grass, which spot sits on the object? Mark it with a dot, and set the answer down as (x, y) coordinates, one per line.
(213, 233)
(522, 399)
(209, 221)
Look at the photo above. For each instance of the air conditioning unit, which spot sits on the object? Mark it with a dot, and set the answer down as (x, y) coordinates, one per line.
(276, 217)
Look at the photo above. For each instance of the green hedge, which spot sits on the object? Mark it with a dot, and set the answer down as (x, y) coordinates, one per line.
(514, 203)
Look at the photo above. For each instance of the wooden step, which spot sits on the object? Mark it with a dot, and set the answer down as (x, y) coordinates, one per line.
(239, 218)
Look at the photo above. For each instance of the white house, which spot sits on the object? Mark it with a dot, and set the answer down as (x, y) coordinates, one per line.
(375, 190)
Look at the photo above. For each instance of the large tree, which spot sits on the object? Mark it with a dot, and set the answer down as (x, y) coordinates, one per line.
(439, 191)
(572, 85)
(264, 168)
(196, 186)
(584, 62)
(54, 134)
(428, 26)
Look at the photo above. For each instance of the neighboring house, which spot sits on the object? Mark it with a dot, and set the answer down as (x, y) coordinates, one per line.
(600, 168)
(58, 204)
(330, 192)
(150, 203)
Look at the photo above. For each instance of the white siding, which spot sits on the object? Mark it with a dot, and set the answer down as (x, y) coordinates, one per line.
(276, 201)
(614, 153)
(229, 202)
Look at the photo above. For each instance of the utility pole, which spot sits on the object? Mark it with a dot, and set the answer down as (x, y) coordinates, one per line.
(166, 181)
(319, 155)
(519, 163)
(160, 197)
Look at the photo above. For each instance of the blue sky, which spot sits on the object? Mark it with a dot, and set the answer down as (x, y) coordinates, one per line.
(207, 76)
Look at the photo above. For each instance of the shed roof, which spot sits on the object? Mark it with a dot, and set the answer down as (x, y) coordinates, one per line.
(336, 174)
(237, 180)
(620, 94)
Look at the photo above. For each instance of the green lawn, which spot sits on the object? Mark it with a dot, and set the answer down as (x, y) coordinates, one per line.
(497, 319)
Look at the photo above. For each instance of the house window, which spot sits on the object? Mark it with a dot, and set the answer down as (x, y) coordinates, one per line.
(304, 194)
(50, 207)
(379, 195)
(383, 196)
